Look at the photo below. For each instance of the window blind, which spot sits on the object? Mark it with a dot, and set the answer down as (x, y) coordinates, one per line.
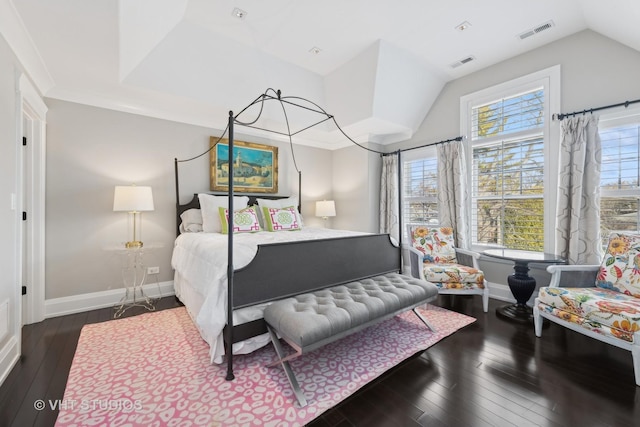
(420, 190)
(620, 178)
(508, 172)
(518, 113)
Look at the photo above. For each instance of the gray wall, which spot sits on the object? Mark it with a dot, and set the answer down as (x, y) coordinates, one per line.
(595, 71)
(356, 188)
(90, 150)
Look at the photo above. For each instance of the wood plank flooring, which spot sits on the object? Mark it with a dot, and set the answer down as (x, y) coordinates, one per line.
(491, 373)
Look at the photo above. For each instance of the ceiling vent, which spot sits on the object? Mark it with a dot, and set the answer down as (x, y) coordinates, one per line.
(536, 30)
(463, 61)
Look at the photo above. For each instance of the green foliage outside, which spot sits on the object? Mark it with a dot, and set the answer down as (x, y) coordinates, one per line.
(510, 177)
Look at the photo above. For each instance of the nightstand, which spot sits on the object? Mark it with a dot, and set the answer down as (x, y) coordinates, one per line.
(134, 275)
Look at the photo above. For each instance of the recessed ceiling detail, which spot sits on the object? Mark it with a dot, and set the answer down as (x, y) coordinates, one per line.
(463, 26)
(239, 13)
(463, 61)
(532, 32)
(192, 61)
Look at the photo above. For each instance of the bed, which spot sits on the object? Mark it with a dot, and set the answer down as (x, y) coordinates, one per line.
(273, 270)
(267, 266)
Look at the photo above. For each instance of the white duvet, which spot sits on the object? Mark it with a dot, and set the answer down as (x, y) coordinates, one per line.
(200, 264)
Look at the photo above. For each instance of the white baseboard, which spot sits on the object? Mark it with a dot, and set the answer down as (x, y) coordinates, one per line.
(500, 292)
(9, 355)
(503, 293)
(86, 302)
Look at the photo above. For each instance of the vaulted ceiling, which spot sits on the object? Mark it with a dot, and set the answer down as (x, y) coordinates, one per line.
(377, 65)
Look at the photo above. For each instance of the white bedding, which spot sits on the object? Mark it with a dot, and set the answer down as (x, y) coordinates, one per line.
(200, 263)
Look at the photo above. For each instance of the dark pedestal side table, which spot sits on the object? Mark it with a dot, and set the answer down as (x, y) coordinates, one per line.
(520, 283)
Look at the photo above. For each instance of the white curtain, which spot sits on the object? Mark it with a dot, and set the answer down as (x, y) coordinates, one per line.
(452, 190)
(389, 196)
(578, 215)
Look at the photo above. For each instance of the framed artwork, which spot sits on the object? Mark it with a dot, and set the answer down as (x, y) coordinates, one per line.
(255, 167)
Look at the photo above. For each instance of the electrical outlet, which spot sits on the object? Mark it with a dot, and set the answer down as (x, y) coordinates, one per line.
(153, 270)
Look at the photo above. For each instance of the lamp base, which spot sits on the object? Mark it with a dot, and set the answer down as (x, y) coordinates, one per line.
(133, 244)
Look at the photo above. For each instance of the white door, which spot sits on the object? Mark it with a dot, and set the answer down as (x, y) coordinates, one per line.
(32, 203)
(26, 193)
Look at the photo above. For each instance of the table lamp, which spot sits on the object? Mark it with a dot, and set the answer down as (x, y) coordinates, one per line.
(325, 209)
(133, 199)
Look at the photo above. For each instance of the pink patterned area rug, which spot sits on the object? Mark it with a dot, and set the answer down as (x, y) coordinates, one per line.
(154, 370)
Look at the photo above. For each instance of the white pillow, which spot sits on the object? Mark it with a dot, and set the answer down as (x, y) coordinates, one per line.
(278, 204)
(209, 205)
(191, 221)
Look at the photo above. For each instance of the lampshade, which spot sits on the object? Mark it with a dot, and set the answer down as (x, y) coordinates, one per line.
(325, 208)
(132, 198)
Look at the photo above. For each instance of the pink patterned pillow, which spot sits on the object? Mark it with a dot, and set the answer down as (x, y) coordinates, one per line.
(281, 219)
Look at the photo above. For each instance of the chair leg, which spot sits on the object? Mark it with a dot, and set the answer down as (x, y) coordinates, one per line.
(635, 354)
(537, 319)
(485, 299)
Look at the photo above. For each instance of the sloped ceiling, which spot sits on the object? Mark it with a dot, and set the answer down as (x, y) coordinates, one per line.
(380, 67)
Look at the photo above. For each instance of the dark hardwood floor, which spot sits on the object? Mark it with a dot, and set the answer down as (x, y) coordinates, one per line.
(491, 373)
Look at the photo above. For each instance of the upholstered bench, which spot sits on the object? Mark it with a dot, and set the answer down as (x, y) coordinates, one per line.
(309, 321)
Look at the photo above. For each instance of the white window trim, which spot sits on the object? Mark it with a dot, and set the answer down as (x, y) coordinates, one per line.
(549, 78)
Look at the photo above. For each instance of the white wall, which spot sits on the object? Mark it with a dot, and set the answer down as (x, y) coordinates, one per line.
(90, 150)
(595, 71)
(356, 188)
(10, 275)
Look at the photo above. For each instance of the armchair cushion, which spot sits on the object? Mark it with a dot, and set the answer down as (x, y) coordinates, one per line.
(620, 268)
(453, 276)
(603, 311)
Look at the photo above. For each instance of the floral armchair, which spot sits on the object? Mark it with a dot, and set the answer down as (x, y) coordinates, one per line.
(454, 271)
(604, 303)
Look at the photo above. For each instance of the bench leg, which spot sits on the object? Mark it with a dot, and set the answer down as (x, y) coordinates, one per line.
(284, 361)
(424, 319)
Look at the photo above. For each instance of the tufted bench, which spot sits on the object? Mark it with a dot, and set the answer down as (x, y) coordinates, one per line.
(312, 320)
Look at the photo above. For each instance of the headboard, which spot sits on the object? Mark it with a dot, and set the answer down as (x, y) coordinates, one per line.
(195, 204)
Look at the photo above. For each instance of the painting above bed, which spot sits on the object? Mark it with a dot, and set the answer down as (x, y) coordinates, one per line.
(255, 167)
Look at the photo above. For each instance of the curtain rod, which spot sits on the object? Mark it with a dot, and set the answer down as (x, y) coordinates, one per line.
(625, 104)
(457, 138)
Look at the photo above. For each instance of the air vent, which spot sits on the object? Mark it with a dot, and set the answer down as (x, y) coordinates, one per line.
(463, 61)
(536, 30)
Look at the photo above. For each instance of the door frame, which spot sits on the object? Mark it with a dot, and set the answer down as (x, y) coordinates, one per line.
(32, 110)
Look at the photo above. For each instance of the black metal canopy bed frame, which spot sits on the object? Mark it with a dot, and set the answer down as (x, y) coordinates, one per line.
(318, 263)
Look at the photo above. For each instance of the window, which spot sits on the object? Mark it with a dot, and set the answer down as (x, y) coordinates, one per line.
(512, 191)
(508, 194)
(620, 172)
(420, 187)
